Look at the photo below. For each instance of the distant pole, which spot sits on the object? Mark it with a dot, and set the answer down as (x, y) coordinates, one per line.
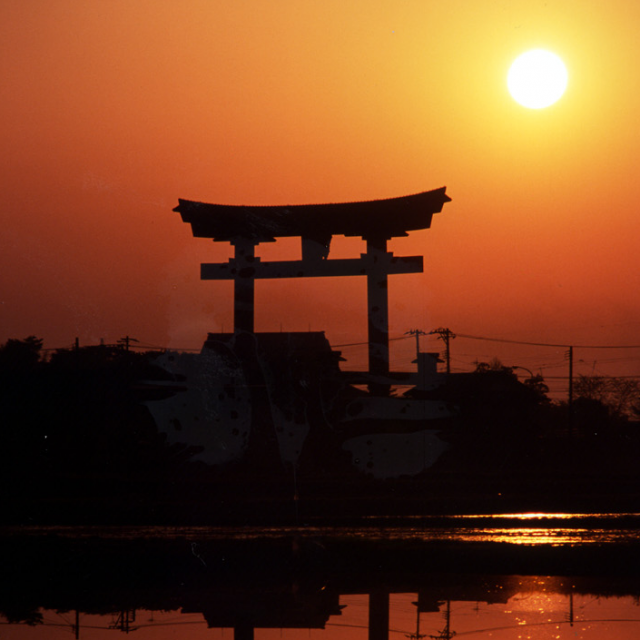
(417, 635)
(571, 616)
(417, 333)
(126, 341)
(570, 404)
(446, 335)
(446, 633)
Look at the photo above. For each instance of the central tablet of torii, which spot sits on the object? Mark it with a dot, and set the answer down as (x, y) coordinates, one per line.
(376, 221)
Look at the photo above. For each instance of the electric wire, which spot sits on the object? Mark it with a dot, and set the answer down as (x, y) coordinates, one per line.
(547, 344)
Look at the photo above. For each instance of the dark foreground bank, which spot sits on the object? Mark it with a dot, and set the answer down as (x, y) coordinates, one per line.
(78, 445)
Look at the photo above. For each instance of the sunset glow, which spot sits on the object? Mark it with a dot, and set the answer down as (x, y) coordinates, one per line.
(112, 111)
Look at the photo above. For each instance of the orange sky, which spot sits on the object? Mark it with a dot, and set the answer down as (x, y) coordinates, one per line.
(111, 111)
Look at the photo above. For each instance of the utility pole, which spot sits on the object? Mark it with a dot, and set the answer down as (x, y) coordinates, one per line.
(446, 335)
(417, 635)
(125, 341)
(76, 626)
(570, 403)
(125, 618)
(417, 333)
(571, 616)
(446, 633)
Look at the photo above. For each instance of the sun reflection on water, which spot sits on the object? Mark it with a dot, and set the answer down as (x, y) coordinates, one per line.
(529, 535)
(572, 531)
(533, 516)
(527, 528)
(541, 515)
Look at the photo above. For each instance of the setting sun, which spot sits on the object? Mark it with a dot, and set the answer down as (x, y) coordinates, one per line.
(537, 79)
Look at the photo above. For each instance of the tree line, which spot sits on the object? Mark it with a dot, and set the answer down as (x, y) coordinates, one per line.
(74, 430)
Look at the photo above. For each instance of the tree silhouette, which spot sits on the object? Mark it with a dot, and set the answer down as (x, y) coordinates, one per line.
(20, 355)
(617, 395)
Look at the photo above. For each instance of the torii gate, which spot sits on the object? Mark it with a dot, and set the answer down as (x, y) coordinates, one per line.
(376, 221)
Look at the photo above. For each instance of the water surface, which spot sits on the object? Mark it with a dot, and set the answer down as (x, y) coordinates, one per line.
(506, 576)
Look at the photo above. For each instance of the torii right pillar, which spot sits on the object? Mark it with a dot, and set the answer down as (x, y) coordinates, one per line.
(379, 261)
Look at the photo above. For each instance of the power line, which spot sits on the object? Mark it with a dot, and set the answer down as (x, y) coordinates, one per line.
(603, 375)
(546, 344)
(360, 344)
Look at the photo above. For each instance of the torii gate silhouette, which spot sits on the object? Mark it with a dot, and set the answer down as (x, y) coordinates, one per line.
(375, 221)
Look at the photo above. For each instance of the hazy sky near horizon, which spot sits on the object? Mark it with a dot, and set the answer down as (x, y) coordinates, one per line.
(113, 110)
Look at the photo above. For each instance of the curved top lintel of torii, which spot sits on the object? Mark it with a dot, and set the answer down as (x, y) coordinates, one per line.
(375, 220)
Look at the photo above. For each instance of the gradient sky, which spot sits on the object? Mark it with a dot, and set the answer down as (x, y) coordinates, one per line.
(112, 110)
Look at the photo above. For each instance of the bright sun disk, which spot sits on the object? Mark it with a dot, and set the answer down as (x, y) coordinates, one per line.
(537, 79)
